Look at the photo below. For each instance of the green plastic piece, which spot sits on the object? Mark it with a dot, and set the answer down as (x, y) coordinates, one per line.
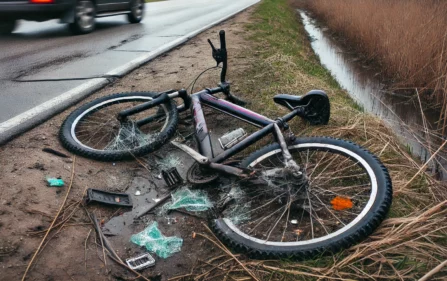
(155, 242)
(196, 200)
(55, 182)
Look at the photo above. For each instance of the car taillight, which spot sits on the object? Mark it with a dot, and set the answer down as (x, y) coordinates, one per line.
(42, 1)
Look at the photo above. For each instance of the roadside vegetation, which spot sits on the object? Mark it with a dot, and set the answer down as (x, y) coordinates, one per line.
(413, 240)
(403, 40)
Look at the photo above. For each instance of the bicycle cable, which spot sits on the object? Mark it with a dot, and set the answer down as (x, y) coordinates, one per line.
(198, 76)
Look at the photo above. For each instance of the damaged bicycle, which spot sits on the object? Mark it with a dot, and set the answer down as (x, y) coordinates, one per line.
(296, 198)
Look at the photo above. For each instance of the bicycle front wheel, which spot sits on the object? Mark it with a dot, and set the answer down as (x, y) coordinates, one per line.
(94, 131)
(346, 196)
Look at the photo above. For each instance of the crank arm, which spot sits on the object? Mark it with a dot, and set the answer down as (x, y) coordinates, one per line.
(191, 152)
(215, 166)
(242, 173)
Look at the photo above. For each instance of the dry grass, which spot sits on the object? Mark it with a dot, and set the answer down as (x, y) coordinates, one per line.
(387, 252)
(406, 39)
(410, 242)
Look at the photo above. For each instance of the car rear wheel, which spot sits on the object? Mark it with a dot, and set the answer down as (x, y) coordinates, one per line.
(7, 27)
(136, 11)
(84, 21)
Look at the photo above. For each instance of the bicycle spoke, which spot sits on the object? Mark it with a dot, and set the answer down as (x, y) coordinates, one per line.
(276, 200)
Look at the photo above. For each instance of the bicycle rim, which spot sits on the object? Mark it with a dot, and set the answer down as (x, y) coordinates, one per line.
(98, 129)
(274, 210)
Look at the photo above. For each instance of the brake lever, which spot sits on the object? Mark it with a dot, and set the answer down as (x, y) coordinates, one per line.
(212, 46)
(218, 54)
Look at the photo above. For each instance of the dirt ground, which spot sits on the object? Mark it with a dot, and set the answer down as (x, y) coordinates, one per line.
(71, 251)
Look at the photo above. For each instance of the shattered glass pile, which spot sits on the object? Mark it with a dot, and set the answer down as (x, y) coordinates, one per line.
(156, 242)
(130, 137)
(238, 208)
(195, 200)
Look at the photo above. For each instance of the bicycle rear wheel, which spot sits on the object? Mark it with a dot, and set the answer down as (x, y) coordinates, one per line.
(346, 196)
(93, 130)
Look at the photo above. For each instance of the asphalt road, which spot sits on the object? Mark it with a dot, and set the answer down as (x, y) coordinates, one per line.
(48, 51)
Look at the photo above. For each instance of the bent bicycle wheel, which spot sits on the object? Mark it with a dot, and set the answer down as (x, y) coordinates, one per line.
(347, 195)
(94, 131)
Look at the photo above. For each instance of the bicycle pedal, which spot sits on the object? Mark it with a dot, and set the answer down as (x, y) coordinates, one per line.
(171, 177)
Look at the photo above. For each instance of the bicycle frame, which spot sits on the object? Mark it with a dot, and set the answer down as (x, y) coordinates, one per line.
(205, 156)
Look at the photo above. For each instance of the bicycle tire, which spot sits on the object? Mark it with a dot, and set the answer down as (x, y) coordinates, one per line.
(68, 140)
(377, 212)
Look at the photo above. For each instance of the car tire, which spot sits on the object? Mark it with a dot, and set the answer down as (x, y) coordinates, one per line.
(136, 11)
(84, 18)
(7, 27)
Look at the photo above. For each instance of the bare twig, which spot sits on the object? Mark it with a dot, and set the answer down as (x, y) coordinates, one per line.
(85, 249)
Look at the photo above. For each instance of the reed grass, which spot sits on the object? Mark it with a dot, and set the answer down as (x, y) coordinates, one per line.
(404, 40)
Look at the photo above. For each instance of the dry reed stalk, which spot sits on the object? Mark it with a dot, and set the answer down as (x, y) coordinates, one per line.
(432, 272)
(381, 32)
(425, 165)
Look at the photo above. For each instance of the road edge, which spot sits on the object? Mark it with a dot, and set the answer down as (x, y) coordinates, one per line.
(41, 113)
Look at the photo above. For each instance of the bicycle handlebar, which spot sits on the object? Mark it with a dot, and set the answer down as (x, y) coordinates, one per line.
(220, 55)
(223, 44)
(223, 48)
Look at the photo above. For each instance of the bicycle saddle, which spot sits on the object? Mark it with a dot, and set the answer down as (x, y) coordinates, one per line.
(315, 103)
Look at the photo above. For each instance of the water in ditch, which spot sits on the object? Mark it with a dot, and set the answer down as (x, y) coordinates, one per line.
(401, 113)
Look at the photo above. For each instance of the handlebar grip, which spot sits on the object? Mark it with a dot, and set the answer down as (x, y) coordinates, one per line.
(223, 44)
(236, 100)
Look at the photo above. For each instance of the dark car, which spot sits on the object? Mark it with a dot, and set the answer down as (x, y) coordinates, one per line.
(79, 14)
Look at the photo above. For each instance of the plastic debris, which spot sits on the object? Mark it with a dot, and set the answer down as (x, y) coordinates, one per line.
(341, 203)
(55, 182)
(137, 193)
(109, 198)
(140, 262)
(294, 221)
(172, 177)
(196, 200)
(156, 242)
